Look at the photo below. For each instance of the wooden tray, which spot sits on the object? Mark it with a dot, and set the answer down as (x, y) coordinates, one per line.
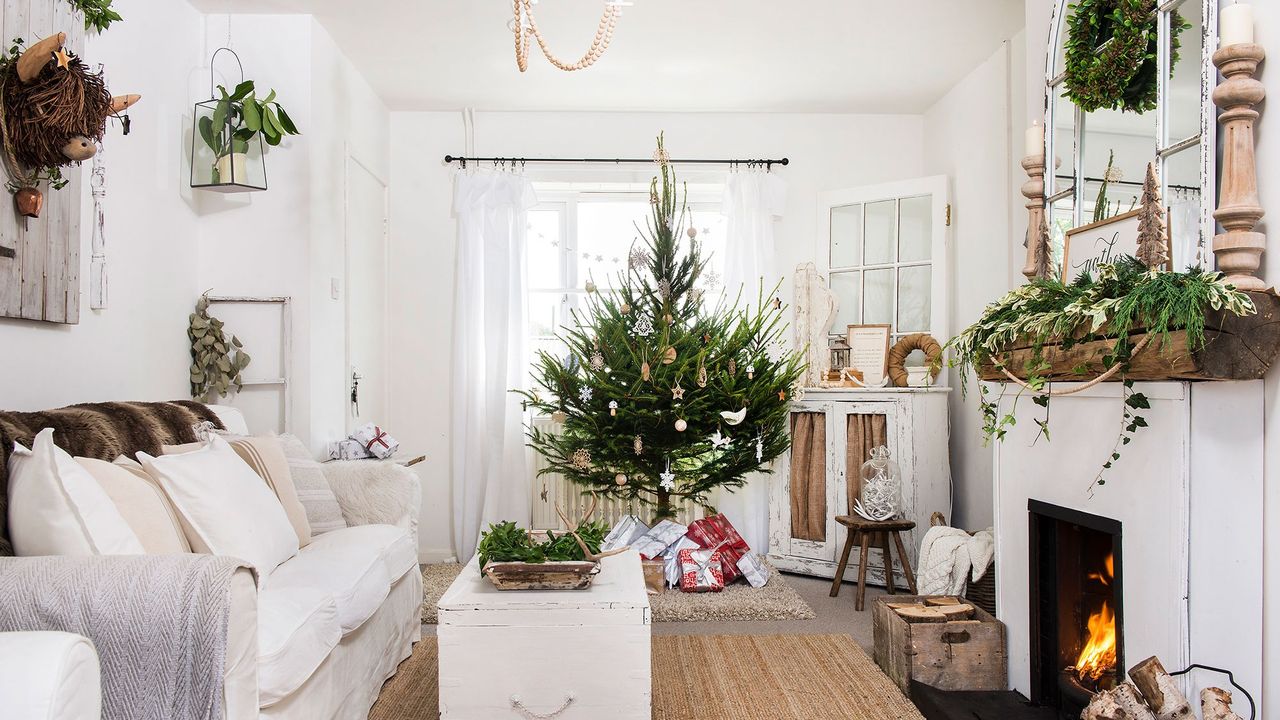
(541, 576)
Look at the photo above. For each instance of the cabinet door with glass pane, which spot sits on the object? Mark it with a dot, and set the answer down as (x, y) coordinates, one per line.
(885, 250)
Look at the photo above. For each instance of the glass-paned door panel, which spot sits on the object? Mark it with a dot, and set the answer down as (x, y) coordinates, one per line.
(878, 297)
(1182, 100)
(809, 476)
(847, 287)
(880, 232)
(1064, 141)
(846, 236)
(914, 298)
(915, 229)
(1182, 203)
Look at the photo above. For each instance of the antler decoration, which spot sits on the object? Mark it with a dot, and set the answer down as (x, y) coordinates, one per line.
(573, 530)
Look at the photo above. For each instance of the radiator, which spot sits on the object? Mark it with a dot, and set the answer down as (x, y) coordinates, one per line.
(550, 489)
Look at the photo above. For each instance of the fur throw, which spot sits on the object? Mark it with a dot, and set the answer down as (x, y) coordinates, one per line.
(375, 492)
(102, 431)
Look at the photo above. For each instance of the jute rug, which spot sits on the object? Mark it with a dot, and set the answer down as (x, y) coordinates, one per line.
(715, 677)
(777, 600)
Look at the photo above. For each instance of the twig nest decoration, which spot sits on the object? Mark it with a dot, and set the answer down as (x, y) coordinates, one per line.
(904, 347)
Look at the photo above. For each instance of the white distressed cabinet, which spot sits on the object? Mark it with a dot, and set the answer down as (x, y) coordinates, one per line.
(567, 654)
(803, 534)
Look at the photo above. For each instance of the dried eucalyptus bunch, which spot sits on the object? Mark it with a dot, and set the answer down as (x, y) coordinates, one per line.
(216, 363)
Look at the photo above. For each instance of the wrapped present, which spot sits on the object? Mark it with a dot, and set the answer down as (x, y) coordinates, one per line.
(654, 543)
(701, 570)
(717, 531)
(654, 582)
(376, 441)
(672, 558)
(753, 569)
(629, 529)
(347, 450)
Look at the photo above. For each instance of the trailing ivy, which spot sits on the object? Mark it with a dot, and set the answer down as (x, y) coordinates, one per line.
(98, 14)
(1124, 297)
(1112, 54)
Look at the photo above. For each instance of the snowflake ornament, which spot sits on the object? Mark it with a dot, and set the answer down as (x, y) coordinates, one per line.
(597, 361)
(639, 258)
(664, 289)
(713, 279)
(667, 480)
(581, 459)
(585, 394)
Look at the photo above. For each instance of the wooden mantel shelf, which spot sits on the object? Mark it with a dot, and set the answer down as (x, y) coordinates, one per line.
(1236, 348)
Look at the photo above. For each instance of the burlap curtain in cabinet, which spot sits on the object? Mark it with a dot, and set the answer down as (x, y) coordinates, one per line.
(809, 476)
(863, 433)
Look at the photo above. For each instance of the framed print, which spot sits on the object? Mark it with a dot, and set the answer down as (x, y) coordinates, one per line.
(869, 351)
(1088, 246)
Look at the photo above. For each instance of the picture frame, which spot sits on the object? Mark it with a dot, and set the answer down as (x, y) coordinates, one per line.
(1088, 246)
(869, 351)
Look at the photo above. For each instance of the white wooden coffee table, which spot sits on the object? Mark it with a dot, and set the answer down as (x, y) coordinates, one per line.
(541, 654)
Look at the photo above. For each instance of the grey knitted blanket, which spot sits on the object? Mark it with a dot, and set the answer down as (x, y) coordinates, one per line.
(159, 623)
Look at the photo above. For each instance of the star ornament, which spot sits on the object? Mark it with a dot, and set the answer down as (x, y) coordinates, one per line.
(63, 58)
(677, 393)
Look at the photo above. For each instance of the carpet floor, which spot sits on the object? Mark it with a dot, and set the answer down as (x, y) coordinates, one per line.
(715, 677)
(776, 601)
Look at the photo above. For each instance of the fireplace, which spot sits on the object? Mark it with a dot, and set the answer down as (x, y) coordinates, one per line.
(1077, 607)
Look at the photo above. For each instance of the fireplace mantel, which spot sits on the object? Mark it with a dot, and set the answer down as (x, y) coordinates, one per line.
(1188, 491)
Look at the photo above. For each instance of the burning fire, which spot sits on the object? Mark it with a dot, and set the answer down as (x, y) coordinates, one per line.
(1098, 658)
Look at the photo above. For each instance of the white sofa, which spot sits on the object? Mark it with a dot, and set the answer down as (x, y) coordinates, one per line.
(48, 676)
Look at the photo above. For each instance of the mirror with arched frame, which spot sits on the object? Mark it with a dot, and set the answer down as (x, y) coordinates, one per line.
(1105, 152)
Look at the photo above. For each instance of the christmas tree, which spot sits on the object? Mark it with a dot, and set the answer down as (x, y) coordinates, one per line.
(663, 397)
(1153, 249)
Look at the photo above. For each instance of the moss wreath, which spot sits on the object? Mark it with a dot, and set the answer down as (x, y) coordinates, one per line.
(1111, 54)
(898, 356)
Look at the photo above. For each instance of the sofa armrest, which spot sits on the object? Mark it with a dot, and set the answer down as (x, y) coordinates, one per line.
(53, 675)
(373, 492)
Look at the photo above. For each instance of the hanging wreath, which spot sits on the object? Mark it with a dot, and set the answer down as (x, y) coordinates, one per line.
(1111, 54)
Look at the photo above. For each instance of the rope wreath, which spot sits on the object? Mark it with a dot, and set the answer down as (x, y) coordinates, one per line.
(1111, 52)
(904, 347)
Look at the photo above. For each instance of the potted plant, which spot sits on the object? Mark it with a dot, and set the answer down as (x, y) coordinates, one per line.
(237, 119)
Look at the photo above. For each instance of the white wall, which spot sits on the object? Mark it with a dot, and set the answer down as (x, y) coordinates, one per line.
(137, 348)
(826, 151)
(967, 138)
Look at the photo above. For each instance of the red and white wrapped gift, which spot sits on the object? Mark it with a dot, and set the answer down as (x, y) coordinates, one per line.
(672, 570)
(701, 570)
(716, 531)
(654, 543)
(376, 441)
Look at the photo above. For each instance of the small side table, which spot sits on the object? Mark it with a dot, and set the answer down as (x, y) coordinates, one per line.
(866, 532)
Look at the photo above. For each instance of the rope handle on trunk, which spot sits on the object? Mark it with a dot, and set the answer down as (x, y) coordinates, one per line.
(520, 707)
(1072, 391)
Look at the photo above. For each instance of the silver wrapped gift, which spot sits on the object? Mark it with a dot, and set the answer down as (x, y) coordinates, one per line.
(629, 529)
(672, 569)
(347, 450)
(753, 569)
(654, 543)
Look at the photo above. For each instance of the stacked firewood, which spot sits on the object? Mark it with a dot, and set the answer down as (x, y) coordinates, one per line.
(1153, 695)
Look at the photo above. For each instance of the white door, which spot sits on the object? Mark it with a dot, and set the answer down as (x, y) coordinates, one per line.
(366, 293)
(884, 249)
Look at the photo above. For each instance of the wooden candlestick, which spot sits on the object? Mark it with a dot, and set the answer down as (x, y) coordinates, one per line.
(1033, 190)
(1239, 249)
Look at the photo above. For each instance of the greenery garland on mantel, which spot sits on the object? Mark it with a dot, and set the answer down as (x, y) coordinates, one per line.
(1125, 297)
(98, 14)
(1112, 54)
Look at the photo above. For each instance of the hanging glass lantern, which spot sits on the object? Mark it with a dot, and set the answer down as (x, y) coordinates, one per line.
(226, 154)
(881, 495)
(839, 353)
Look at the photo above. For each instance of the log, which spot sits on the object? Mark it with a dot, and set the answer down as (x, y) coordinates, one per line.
(1122, 703)
(935, 601)
(1215, 704)
(956, 612)
(1236, 348)
(920, 614)
(1160, 691)
(1131, 700)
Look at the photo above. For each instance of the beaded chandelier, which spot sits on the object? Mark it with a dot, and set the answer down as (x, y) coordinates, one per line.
(525, 27)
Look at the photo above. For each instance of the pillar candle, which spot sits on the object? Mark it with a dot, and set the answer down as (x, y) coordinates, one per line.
(1236, 25)
(1035, 140)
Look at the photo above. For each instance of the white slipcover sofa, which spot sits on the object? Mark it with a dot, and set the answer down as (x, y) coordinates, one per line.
(49, 676)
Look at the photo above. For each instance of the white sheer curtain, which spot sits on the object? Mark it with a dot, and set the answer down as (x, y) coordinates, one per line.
(489, 477)
(753, 201)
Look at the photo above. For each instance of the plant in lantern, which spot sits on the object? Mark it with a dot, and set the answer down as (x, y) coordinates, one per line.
(663, 397)
(238, 118)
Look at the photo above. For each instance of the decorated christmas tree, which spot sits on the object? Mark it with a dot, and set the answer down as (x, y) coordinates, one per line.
(663, 396)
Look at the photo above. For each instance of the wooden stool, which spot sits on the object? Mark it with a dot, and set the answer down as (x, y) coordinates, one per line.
(867, 532)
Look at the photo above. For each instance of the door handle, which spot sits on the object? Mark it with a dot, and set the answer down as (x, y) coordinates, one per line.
(355, 391)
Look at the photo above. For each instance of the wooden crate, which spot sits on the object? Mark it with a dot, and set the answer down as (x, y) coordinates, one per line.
(957, 655)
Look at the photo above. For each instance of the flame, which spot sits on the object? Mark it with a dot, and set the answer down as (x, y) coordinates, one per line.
(1098, 657)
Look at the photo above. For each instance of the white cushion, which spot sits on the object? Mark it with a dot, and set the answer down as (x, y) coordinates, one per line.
(353, 573)
(297, 629)
(56, 507)
(225, 506)
(232, 419)
(395, 545)
(50, 676)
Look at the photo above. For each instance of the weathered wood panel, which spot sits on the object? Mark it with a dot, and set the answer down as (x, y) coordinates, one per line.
(41, 280)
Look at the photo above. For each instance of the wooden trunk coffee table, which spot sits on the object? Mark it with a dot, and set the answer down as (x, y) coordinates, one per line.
(567, 654)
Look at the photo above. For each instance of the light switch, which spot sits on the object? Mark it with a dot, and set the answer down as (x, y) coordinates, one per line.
(335, 288)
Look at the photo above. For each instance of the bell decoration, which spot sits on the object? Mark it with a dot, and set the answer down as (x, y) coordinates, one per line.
(28, 201)
(881, 495)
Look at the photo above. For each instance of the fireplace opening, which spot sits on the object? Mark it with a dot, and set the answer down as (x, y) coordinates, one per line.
(1076, 606)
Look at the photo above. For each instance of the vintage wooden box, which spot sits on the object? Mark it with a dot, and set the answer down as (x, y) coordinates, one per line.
(569, 654)
(954, 655)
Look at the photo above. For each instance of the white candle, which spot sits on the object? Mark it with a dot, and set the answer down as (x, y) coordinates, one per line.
(1035, 140)
(1236, 25)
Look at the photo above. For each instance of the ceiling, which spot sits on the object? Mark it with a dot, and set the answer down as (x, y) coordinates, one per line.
(864, 56)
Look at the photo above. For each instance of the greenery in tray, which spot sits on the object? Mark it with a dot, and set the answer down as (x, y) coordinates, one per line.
(1125, 296)
(507, 542)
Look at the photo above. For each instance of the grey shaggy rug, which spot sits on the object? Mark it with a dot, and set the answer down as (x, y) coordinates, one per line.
(777, 600)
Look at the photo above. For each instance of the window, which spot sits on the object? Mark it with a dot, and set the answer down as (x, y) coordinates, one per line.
(576, 236)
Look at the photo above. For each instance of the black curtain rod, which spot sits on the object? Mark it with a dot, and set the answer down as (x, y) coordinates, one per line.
(768, 163)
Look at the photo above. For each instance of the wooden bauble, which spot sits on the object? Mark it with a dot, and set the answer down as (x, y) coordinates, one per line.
(644, 371)
(29, 202)
(669, 356)
(559, 416)
(620, 479)
(681, 425)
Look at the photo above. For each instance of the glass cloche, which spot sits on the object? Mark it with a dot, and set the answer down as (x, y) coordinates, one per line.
(881, 494)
